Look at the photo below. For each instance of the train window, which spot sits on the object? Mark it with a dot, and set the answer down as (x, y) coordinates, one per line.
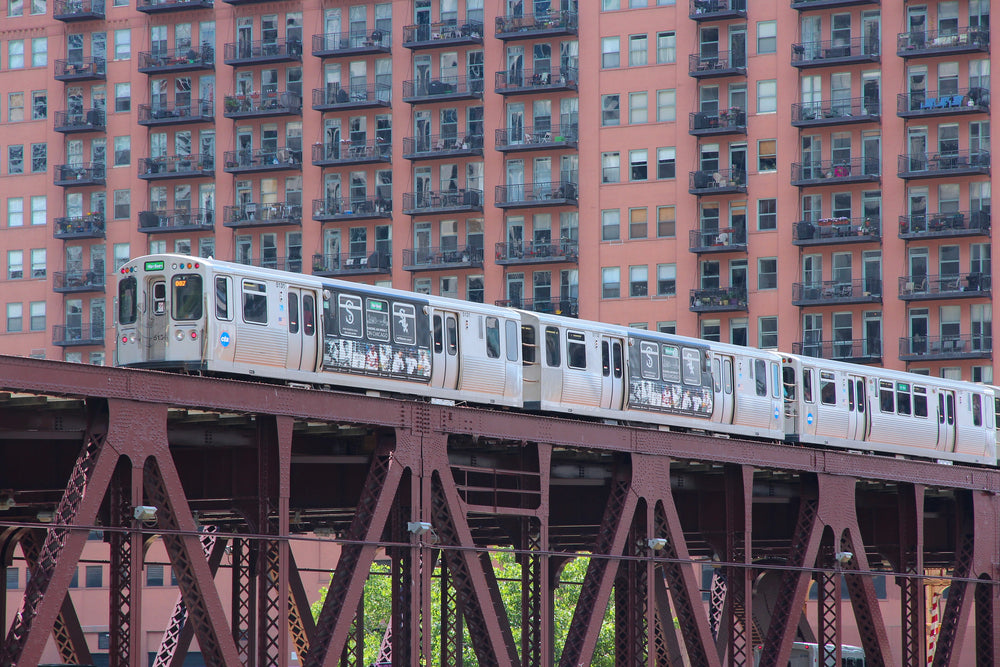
(691, 366)
(919, 401)
(510, 327)
(940, 408)
(650, 363)
(617, 359)
(977, 410)
(576, 350)
(850, 396)
(950, 408)
(222, 297)
(807, 385)
(886, 399)
(775, 380)
(438, 334)
(670, 360)
(727, 376)
(160, 298)
(788, 382)
(254, 302)
(717, 375)
(451, 330)
(760, 376)
(861, 395)
(903, 398)
(492, 337)
(605, 359)
(404, 323)
(308, 314)
(552, 356)
(528, 344)
(827, 388)
(186, 298)
(127, 292)
(293, 313)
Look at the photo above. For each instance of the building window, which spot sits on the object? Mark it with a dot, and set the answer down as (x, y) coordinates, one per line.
(767, 273)
(638, 50)
(637, 225)
(610, 167)
(767, 37)
(94, 577)
(666, 47)
(638, 280)
(123, 44)
(767, 154)
(13, 581)
(122, 254)
(610, 5)
(982, 374)
(15, 159)
(154, 575)
(666, 105)
(767, 214)
(15, 107)
(38, 7)
(123, 151)
(610, 225)
(610, 110)
(610, 58)
(39, 158)
(39, 52)
(122, 204)
(15, 8)
(15, 317)
(610, 282)
(767, 96)
(103, 641)
(667, 327)
(39, 105)
(638, 107)
(38, 263)
(123, 97)
(767, 332)
(665, 227)
(638, 164)
(37, 312)
(15, 212)
(666, 279)
(711, 331)
(665, 162)
(39, 210)
(15, 54)
(474, 290)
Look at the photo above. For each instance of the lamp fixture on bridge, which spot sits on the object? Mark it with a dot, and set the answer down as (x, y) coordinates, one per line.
(657, 543)
(418, 527)
(45, 516)
(843, 557)
(144, 513)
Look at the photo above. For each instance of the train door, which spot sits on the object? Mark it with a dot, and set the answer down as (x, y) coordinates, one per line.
(946, 420)
(722, 384)
(857, 408)
(444, 367)
(612, 373)
(301, 329)
(156, 320)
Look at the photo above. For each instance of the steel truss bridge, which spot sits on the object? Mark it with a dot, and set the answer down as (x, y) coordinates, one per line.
(243, 469)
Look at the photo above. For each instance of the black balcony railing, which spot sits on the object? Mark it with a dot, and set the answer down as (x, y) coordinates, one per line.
(441, 145)
(722, 63)
(929, 348)
(253, 52)
(441, 89)
(293, 264)
(535, 252)
(177, 60)
(334, 97)
(555, 193)
(714, 10)
(721, 181)
(262, 215)
(725, 239)
(67, 282)
(80, 69)
(830, 292)
(939, 42)
(263, 159)
(164, 6)
(351, 43)
(347, 264)
(943, 103)
(79, 175)
(260, 105)
(177, 220)
(176, 166)
(530, 26)
(727, 121)
(835, 52)
(91, 120)
(442, 201)
(442, 33)
(823, 231)
(805, 5)
(566, 306)
(519, 81)
(90, 226)
(537, 137)
(178, 113)
(346, 152)
(833, 172)
(718, 299)
(78, 10)
(952, 163)
(433, 258)
(836, 112)
(341, 208)
(860, 350)
(951, 286)
(86, 333)
(944, 224)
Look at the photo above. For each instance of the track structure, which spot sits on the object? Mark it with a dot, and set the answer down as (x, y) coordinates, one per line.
(239, 472)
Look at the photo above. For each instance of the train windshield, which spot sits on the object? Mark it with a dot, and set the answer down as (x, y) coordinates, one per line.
(186, 297)
(127, 311)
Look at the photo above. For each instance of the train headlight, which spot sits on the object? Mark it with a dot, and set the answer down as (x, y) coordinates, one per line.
(131, 338)
(179, 335)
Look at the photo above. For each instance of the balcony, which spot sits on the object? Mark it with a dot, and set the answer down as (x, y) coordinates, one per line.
(90, 226)
(952, 286)
(717, 65)
(73, 122)
(344, 152)
(79, 175)
(942, 42)
(806, 5)
(444, 89)
(930, 103)
(335, 44)
(167, 6)
(718, 299)
(435, 259)
(176, 220)
(442, 34)
(536, 252)
(532, 195)
(70, 11)
(177, 60)
(717, 10)
(346, 264)
(437, 201)
(169, 167)
(183, 113)
(726, 239)
(836, 172)
(261, 215)
(939, 348)
(335, 98)
(77, 282)
(727, 121)
(858, 351)
(836, 52)
(82, 69)
(836, 112)
(509, 140)
(837, 292)
(263, 53)
(334, 209)
(528, 81)
(262, 105)
(721, 182)
(567, 306)
(72, 335)
(292, 264)
(441, 146)
(944, 225)
(953, 163)
(533, 26)
(263, 159)
(836, 231)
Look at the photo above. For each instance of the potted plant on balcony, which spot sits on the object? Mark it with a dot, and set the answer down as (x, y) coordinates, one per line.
(232, 104)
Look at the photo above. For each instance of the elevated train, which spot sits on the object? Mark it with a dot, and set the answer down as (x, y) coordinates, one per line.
(175, 312)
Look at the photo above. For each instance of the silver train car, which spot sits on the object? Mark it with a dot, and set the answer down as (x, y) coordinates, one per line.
(175, 312)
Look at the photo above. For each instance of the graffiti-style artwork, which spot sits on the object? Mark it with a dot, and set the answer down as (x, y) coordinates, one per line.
(659, 396)
(384, 359)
